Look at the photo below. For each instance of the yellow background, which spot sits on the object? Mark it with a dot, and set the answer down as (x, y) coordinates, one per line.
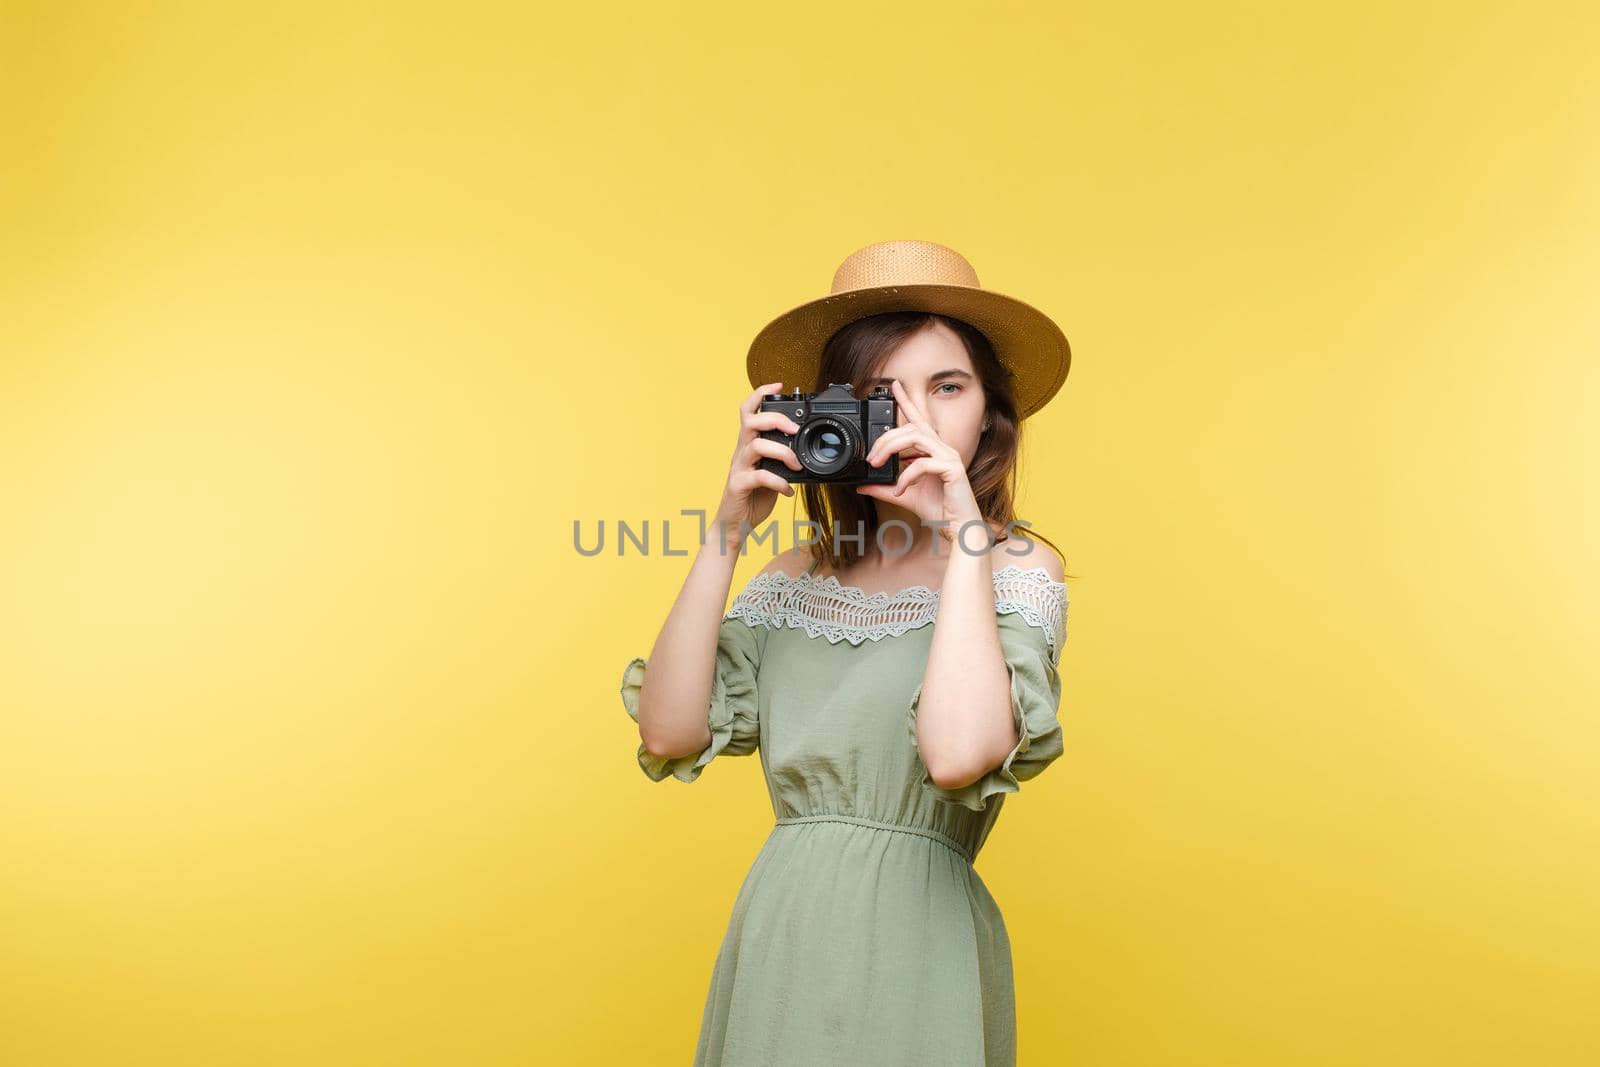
(322, 323)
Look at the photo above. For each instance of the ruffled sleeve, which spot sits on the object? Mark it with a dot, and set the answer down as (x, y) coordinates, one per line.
(1032, 622)
(732, 716)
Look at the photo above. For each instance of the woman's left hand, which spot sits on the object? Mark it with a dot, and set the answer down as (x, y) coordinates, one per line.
(934, 484)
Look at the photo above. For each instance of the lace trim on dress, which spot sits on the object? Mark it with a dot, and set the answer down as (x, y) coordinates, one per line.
(825, 608)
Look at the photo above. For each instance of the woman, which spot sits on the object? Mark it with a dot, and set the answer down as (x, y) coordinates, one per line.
(897, 690)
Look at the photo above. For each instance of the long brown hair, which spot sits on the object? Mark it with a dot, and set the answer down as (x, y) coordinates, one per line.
(855, 354)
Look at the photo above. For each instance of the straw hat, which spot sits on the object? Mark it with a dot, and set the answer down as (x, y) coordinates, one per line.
(914, 276)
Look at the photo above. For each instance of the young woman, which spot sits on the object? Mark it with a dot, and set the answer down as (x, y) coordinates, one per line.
(897, 691)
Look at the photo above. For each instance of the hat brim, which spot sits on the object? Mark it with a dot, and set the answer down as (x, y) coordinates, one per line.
(1026, 340)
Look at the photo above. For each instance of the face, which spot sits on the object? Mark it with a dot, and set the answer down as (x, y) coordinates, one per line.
(934, 368)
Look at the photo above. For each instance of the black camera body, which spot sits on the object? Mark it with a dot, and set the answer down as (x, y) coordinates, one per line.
(837, 429)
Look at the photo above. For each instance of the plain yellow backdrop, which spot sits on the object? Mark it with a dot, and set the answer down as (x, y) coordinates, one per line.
(321, 324)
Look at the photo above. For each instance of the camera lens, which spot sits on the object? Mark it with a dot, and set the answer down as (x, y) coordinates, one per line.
(825, 446)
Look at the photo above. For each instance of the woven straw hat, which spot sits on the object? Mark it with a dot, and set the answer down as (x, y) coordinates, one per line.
(914, 276)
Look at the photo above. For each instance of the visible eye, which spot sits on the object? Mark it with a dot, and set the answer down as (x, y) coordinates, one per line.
(953, 385)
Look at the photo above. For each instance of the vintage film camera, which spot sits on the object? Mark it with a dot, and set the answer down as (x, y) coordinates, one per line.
(836, 430)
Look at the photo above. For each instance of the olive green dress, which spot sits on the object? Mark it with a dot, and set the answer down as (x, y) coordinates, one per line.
(862, 933)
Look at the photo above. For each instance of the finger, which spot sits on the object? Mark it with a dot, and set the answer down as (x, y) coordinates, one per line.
(916, 469)
(773, 480)
(908, 474)
(771, 420)
(909, 441)
(753, 401)
(747, 481)
(753, 422)
(916, 417)
(889, 441)
(912, 408)
(760, 446)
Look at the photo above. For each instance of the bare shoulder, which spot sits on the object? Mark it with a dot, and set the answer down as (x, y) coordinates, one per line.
(1020, 550)
(792, 563)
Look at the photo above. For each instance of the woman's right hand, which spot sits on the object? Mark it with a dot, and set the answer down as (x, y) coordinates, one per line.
(750, 493)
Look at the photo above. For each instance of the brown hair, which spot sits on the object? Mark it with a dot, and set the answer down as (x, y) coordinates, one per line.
(855, 354)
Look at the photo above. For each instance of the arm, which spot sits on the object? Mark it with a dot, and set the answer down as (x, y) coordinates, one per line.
(677, 688)
(965, 726)
(969, 744)
(964, 721)
(965, 712)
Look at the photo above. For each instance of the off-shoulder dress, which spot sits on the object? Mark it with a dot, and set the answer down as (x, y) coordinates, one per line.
(862, 933)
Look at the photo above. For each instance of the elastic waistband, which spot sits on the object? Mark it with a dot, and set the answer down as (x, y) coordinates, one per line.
(933, 835)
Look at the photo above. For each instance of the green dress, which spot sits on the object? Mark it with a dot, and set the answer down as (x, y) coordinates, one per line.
(862, 933)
